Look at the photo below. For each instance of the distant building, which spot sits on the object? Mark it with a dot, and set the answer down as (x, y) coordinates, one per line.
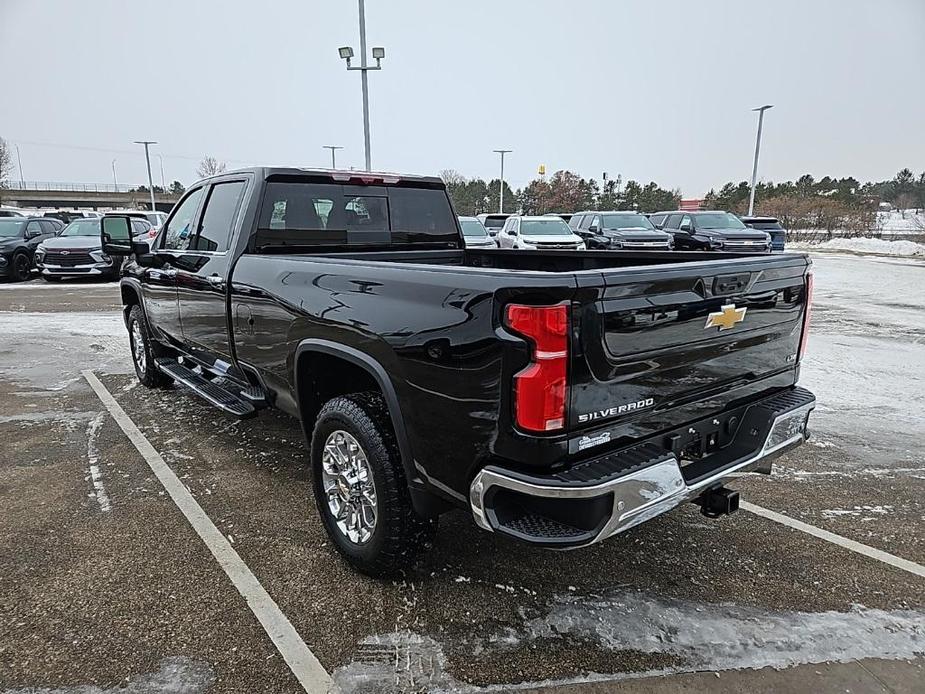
(691, 204)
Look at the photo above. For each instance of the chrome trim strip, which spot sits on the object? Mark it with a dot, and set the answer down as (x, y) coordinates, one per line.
(638, 496)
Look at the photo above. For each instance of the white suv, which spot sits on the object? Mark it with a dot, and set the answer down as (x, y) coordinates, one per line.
(538, 233)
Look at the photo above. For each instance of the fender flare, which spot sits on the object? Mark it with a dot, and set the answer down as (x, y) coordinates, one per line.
(135, 285)
(380, 375)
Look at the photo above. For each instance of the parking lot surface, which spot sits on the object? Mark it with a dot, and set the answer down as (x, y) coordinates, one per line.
(104, 583)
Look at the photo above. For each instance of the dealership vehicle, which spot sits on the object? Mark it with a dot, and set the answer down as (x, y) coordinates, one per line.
(493, 222)
(474, 234)
(771, 226)
(713, 231)
(11, 212)
(619, 230)
(561, 397)
(564, 216)
(68, 216)
(19, 237)
(538, 233)
(76, 251)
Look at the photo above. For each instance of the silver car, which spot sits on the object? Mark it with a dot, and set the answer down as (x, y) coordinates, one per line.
(78, 252)
(475, 235)
(538, 233)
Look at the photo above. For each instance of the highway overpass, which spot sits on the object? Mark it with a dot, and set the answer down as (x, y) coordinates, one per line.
(88, 196)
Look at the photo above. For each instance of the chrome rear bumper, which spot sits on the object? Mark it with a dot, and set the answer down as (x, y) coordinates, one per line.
(635, 496)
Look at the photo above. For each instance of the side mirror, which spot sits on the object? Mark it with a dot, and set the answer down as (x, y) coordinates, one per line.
(594, 228)
(685, 227)
(116, 235)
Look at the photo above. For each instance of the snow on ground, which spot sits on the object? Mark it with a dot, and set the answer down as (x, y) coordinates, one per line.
(866, 357)
(901, 222)
(865, 246)
(36, 344)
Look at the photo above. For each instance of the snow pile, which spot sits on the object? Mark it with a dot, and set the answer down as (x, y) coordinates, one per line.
(865, 246)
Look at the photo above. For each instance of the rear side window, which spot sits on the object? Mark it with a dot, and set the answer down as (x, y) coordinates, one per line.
(218, 217)
(766, 226)
(657, 219)
(299, 214)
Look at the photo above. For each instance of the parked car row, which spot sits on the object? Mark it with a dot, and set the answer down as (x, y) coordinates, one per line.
(623, 230)
(56, 250)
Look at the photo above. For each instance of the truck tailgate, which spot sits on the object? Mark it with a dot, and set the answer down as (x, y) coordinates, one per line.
(657, 339)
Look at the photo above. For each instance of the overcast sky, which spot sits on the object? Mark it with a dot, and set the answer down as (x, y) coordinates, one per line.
(648, 89)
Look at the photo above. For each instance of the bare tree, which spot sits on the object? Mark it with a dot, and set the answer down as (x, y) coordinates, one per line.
(209, 167)
(6, 164)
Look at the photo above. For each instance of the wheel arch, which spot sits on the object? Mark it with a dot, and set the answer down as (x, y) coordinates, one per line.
(359, 371)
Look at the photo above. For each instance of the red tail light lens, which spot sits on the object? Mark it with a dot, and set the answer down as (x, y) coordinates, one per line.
(540, 389)
(807, 312)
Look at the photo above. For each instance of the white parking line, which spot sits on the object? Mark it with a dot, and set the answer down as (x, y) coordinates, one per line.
(851, 545)
(303, 663)
(93, 458)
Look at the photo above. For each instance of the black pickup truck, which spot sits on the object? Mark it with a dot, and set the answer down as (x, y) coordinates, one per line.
(560, 396)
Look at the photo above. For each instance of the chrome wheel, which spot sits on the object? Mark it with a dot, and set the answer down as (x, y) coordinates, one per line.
(138, 347)
(349, 487)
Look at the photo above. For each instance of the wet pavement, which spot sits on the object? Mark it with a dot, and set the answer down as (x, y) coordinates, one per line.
(103, 583)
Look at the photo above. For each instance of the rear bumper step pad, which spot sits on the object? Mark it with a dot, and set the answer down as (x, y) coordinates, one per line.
(595, 499)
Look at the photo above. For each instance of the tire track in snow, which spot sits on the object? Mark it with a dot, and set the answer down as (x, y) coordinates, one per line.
(93, 457)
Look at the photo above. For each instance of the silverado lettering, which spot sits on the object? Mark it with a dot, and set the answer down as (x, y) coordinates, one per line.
(614, 411)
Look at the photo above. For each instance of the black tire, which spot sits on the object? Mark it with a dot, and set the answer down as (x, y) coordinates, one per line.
(20, 267)
(143, 358)
(400, 535)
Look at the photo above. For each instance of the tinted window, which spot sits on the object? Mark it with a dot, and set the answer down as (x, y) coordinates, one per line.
(495, 221)
(180, 227)
(472, 228)
(51, 226)
(575, 221)
(657, 219)
(586, 222)
(82, 227)
(626, 221)
(766, 226)
(719, 220)
(139, 226)
(309, 213)
(11, 227)
(673, 221)
(218, 218)
(544, 227)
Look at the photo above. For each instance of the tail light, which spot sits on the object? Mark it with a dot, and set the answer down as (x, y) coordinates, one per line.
(152, 232)
(807, 312)
(540, 389)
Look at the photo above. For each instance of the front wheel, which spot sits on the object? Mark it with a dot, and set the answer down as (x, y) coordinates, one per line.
(360, 488)
(21, 266)
(143, 355)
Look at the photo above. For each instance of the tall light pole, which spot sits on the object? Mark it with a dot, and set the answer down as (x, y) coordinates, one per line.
(147, 143)
(115, 181)
(22, 180)
(751, 198)
(163, 180)
(502, 152)
(333, 149)
(346, 52)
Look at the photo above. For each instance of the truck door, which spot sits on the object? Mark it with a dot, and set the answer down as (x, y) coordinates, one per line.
(160, 281)
(202, 273)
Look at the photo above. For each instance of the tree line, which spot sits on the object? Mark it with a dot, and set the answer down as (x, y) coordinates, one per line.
(563, 191)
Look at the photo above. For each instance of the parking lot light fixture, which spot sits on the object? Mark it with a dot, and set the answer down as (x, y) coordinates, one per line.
(148, 143)
(502, 152)
(333, 149)
(346, 53)
(751, 197)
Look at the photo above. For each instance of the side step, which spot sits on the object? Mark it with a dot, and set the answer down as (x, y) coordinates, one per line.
(206, 389)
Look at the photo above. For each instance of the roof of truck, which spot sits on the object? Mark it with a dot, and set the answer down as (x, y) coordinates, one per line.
(343, 175)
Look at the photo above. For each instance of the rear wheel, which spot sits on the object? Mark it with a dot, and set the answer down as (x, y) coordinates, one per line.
(143, 354)
(21, 267)
(360, 488)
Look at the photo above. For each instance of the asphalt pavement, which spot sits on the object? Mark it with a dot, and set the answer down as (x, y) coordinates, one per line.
(106, 586)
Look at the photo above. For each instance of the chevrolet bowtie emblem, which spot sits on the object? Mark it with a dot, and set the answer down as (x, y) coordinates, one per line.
(726, 317)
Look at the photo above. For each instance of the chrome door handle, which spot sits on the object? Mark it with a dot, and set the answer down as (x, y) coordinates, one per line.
(215, 280)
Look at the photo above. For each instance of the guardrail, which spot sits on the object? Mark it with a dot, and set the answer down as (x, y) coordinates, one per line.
(74, 187)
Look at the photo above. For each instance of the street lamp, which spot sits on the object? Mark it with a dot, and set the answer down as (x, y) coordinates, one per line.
(333, 149)
(163, 180)
(148, 143)
(502, 152)
(751, 198)
(346, 53)
(115, 181)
